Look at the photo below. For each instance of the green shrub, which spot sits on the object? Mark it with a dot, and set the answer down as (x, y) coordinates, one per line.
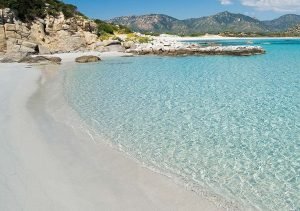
(143, 39)
(105, 28)
(135, 38)
(110, 28)
(27, 9)
(106, 36)
(124, 30)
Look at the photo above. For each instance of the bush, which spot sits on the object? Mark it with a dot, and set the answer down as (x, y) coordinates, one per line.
(143, 39)
(124, 30)
(27, 9)
(104, 28)
(136, 38)
(110, 28)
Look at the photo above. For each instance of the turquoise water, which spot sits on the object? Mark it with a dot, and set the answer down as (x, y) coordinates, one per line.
(228, 124)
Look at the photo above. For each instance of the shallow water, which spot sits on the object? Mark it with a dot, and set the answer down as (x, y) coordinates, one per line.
(228, 124)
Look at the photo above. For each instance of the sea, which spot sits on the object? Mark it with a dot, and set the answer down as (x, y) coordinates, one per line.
(227, 127)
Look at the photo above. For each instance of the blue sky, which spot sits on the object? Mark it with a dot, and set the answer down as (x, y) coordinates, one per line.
(181, 9)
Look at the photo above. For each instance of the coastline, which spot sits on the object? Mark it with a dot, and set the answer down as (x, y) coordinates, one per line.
(48, 164)
(217, 37)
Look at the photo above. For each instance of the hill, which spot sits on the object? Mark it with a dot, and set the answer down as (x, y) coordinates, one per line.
(221, 22)
(283, 23)
(225, 21)
(157, 23)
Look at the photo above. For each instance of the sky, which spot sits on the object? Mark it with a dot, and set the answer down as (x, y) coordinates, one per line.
(183, 9)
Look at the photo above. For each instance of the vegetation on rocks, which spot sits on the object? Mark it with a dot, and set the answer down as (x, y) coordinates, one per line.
(28, 10)
(108, 30)
(137, 38)
(104, 27)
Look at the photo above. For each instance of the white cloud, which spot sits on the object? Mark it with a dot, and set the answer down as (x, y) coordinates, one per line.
(274, 5)
(226, 2)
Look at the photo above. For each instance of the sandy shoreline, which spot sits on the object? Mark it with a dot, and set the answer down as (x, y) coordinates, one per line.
(217, 37)
(47, 164)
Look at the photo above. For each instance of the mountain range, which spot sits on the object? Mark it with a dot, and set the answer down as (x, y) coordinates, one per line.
(221, 22)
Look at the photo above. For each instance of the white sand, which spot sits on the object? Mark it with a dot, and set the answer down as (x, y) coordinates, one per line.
(45, 165)
(216, 37)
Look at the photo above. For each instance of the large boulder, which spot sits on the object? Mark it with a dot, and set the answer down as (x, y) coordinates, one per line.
(39, 59)
(11, 57)
(87, 59)
(43, 50)
(128, 45)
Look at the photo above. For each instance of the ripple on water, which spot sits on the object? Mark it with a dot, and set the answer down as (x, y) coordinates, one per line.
(230, 124)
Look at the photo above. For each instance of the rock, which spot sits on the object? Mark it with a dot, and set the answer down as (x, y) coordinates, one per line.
(174, 48)
(111, 42)
(38, 59)
(54, 59)
(43, 50)
(47, 35)
(129, 44)
(24, 49)
(2, 39)
(11, 34)
(13, 57)
(115, 48)
(50, 35)
(65, 42)
(101, 49)
(87, 59)
(10, 27)
(37, 32)
(90, 38)
(29, 44)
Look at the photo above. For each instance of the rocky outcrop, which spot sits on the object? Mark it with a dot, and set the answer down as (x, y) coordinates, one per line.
(174, 48)
(45, 36)
(87, 59)
(109, 45)
(218, 50)
(40, 59)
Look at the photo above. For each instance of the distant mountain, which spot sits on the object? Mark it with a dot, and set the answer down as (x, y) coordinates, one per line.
(225, 21)
(152, 23)
(221, 22)
(283, 23)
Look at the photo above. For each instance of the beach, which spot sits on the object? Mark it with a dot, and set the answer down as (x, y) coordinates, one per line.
(47, 164)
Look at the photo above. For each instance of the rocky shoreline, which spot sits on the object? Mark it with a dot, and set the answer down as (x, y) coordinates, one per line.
(175, 48)
(49, 35)
(59, 34)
